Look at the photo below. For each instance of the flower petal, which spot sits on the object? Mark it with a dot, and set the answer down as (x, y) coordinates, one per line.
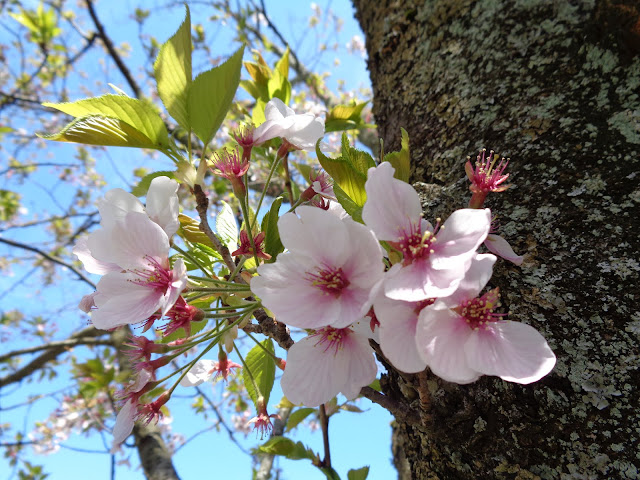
(162, 204)
(440, 337)
(115, 205)
(392, 206)
(460, 236)
(124, 424)
(474, 280)
(199, 373)
(91, 264)
(498, 245)
(514, 351)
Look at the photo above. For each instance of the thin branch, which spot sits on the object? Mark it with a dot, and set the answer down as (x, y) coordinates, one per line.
(80, 275)
(397, 409)
(49, 356)
(70, 343)
(112, 51)
(324, 424)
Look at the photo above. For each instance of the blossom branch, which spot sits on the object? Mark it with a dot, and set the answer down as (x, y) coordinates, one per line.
(324, 424)
(271, 328)
(202, 206)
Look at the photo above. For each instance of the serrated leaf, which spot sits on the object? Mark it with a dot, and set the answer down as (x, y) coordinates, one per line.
(190, 230)
(287, 448)
(359, 474)
(142, 187)
(298, 416)
(345, 176)
(140, 115)
(226, 227)
(211, 95)
(172, 70)
(351, 207)
(260, 73)
(344, 117)
(263, 370)
(272, 243)
(401, 160)
(97, 130)
(279, 87)
(330, 473)
(282, 65)
(359, 160)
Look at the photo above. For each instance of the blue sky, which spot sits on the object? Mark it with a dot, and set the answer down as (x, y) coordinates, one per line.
(356, 439)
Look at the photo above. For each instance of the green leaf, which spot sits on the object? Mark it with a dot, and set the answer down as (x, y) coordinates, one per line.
(344, 117)
(298, 416)
(359, 160)
(351, 207)
(226, 227)
(211, 95)
(140, 115)
(279, 87)
(263, 370)
(345, 175)
(142, 187)
(400, 160)
(359, 474)
(98, 130)
(282, 65)
(287, 448)
(330, 473)
(272, 243)
(172, 70)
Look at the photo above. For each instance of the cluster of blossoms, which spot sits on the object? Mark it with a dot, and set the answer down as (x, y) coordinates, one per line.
(422, 307)
(413, 287)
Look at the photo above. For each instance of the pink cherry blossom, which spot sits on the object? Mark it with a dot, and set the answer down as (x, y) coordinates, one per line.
(300, 130)
(146, 282)
(327, 362)
(435, 259)
(461, 337)
(326, 275)
(485, 178)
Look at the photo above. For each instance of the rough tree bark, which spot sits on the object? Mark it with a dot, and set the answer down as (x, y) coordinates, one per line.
(554, 85)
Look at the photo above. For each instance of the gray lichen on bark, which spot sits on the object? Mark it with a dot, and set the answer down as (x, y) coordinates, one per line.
(556, 87)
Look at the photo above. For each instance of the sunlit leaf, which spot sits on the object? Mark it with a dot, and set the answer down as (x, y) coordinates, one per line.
(262, 367)
(172, 70)
(211, 95)
(140, 115)
(401, 160)
(226, 227)
(272, 243)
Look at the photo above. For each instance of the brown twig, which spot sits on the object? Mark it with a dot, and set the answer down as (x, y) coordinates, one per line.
(400, 411)
(112, 51)
(61, 344)
(324, 424)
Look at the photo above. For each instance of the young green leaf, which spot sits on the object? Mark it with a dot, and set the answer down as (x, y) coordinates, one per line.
(140, 115)
(344, 117)
(272, 244)
(401, 160)
(287, 448)
(345, 176)
(211, 95)
(298, 416)
(99, 130)
(359, 474)
(172, 70)
(226, 227)
(263, 370)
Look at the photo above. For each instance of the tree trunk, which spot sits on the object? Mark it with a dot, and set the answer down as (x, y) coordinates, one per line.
(554, 85)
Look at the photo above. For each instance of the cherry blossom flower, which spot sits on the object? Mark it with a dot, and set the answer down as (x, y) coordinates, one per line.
(327, 362)
(461, 337)
(435, 259)
(302, 131)
(146, 282)
(321, 184)
(327, 274)
(180, 315)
